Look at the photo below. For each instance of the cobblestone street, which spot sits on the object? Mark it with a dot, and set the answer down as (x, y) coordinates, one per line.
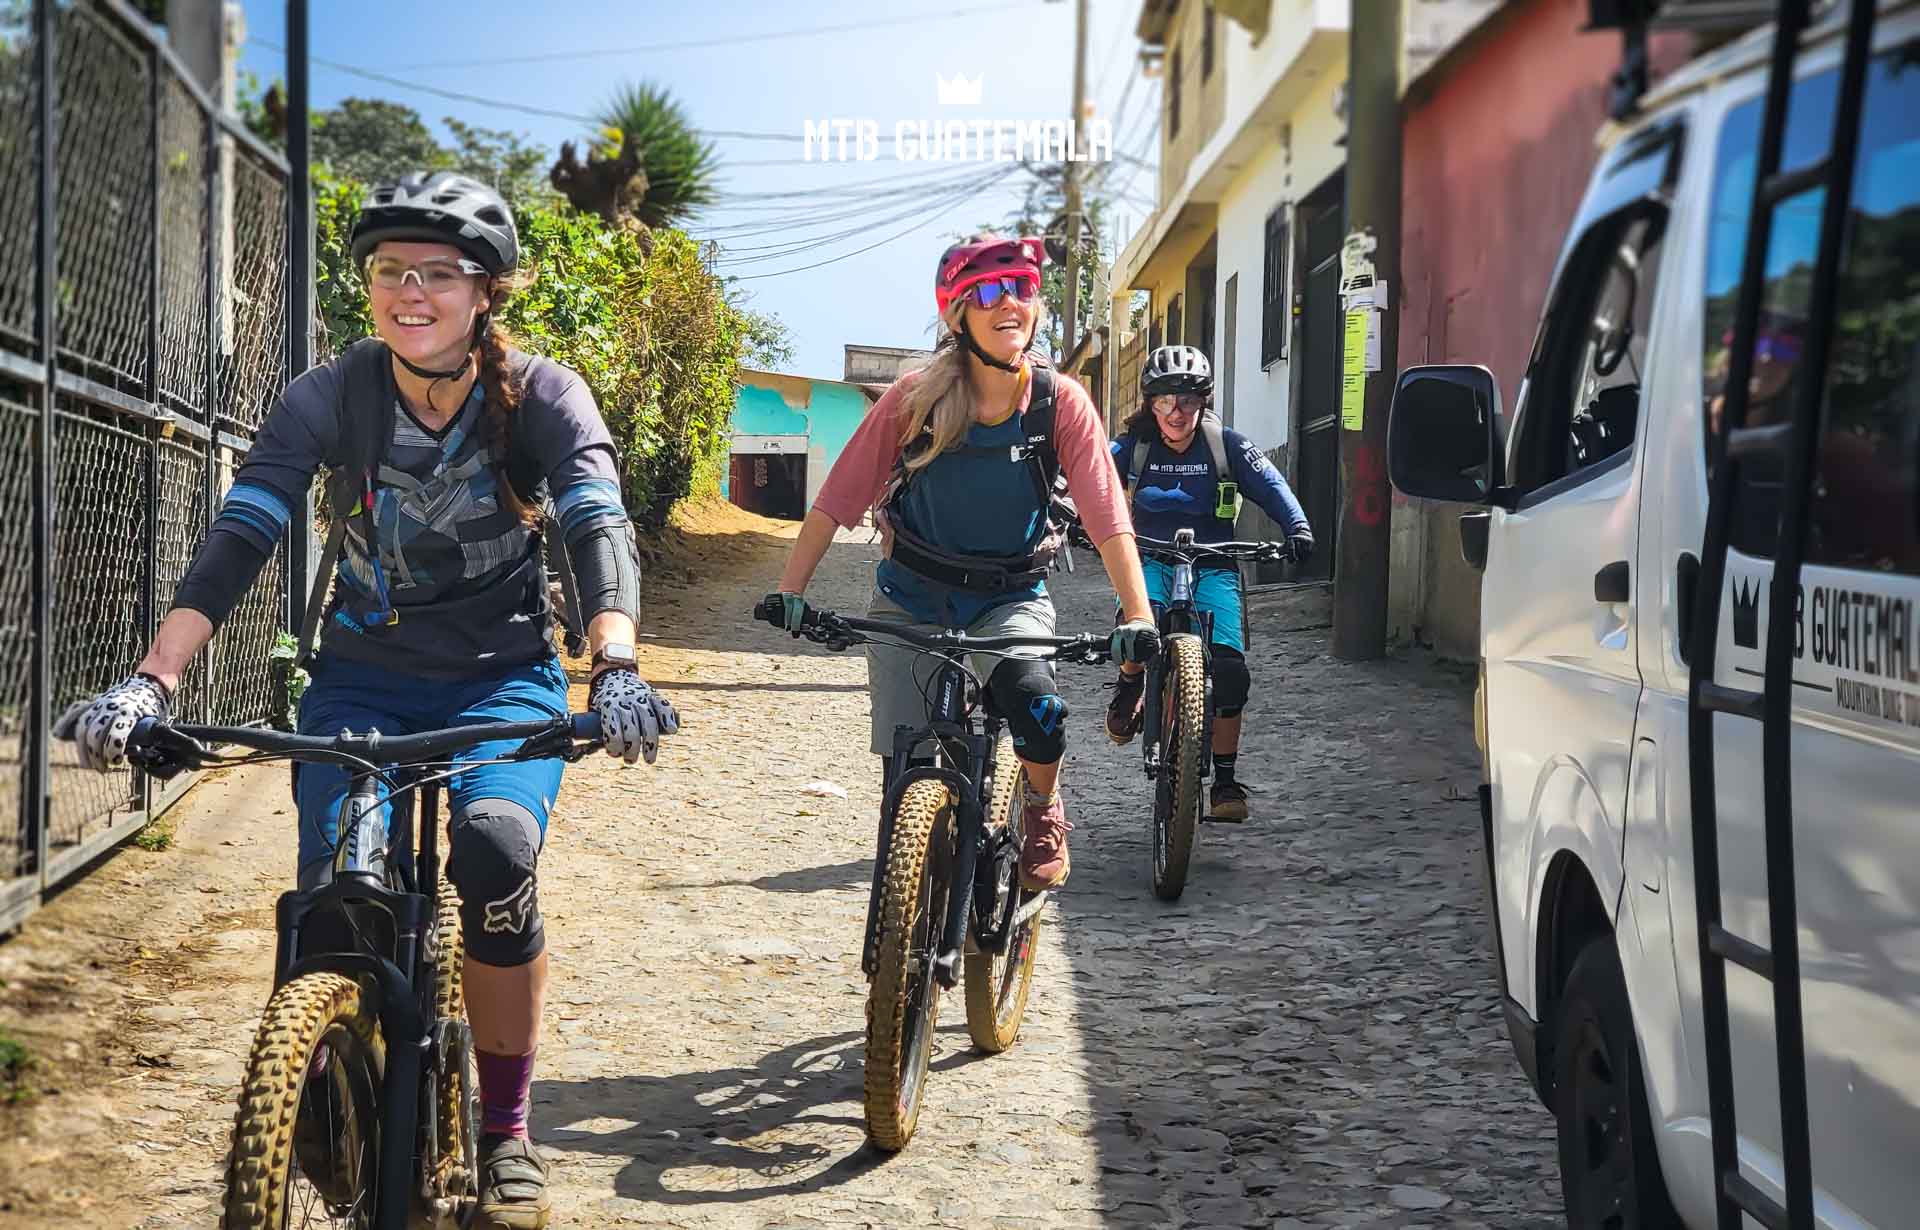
(1311, 1037)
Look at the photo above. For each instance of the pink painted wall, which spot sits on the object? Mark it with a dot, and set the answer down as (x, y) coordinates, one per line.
(1496, 154)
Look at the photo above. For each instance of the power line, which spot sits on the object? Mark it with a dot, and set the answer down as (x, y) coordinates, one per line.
(733, 40)
(921, 225)
(780, 251)
(506, 105)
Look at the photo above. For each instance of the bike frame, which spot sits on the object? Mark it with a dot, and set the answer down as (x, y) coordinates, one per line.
(374, 873)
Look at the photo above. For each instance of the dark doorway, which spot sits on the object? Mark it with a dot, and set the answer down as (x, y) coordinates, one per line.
(771, 484)
(1316, 418)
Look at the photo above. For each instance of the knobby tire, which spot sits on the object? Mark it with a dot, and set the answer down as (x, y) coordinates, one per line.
(998, 984)
(1176, 812)
(912, 907)
(302, 1015)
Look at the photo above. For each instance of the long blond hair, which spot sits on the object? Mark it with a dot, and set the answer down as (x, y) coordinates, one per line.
(940, 394)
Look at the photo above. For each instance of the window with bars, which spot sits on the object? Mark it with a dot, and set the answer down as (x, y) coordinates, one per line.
(1275, 318)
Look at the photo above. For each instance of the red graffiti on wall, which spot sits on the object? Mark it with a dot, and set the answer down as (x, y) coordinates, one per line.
(1369, 477)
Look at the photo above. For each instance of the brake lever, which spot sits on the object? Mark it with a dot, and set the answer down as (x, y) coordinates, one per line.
(164, 752)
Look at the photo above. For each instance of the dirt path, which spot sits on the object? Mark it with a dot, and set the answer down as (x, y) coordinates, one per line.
(1311, 1037)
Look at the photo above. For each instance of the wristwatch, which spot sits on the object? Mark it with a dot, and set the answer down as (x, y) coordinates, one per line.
(614, 656)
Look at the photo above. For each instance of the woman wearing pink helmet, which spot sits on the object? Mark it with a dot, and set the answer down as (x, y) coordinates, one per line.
(957, 460)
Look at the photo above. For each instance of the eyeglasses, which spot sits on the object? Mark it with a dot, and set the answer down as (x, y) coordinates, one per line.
(1186, 403)
(436, 277)
(989, 293)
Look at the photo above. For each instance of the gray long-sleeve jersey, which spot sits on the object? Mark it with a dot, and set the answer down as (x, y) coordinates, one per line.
(460, 570)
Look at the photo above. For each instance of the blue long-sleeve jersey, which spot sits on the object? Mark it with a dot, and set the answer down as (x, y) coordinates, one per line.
(1176, 490)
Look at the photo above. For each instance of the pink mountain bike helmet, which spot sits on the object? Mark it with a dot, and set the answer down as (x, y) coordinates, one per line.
(967, 264)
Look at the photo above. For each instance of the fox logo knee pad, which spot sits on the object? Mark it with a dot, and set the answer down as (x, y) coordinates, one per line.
(496, 845)
(1025, 692)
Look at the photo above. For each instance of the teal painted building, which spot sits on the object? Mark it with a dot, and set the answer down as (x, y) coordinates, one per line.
(787, 433)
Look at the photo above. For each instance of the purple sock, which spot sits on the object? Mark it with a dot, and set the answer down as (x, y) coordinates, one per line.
(504, 1084)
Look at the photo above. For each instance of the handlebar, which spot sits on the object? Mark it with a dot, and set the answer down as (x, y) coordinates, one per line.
(837, 631)
(164, 748)
(1272, 551)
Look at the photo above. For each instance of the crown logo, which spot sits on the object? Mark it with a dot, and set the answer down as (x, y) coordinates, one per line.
(959, 92)
(1746, 613)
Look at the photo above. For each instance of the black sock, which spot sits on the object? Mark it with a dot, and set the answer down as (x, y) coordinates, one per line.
(1223, 767)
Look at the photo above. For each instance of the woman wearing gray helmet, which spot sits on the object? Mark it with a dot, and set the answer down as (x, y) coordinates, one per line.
(1174, 486)
(439, 614)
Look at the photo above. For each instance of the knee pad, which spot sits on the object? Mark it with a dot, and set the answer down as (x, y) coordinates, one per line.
(495, 847)
(1231, 681)
(1024, 692)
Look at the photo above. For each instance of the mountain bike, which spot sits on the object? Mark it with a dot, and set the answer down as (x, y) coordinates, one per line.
(946, 892)
(359, 1104)
(1177, 707)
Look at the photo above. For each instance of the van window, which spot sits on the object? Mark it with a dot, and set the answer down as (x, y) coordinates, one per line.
(1584, 384)
(1865, 512)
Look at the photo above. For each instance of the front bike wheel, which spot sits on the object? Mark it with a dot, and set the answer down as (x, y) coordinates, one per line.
(306, 1140)
(998, 983)
(1176, 803)
(903, 1002)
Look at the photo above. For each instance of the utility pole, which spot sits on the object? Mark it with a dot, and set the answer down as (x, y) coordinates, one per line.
(1071, 327)
(1370, 285)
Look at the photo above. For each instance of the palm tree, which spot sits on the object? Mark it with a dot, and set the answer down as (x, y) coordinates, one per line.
(680, 167)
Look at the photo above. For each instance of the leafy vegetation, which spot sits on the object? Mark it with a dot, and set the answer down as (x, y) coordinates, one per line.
(15, 1062)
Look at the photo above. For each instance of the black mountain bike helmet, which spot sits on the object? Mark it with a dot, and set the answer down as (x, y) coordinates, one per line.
(1176, 369)
(441, 207)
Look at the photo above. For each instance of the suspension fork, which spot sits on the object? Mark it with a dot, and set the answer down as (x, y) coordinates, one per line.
(869, 949)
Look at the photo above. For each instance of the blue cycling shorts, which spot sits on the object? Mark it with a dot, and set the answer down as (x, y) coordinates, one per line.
(353, 696)
(1216, 592)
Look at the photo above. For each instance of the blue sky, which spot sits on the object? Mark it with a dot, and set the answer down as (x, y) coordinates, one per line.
(763, 80)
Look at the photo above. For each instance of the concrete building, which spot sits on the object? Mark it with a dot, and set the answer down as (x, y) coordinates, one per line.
(787, 433)
(1240, 257)
(1497, 145)
(881, 365)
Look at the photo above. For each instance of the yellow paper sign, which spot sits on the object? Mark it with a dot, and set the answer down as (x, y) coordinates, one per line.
(1353, 373)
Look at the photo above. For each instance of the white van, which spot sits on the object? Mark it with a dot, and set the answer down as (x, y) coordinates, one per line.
(1593, 503)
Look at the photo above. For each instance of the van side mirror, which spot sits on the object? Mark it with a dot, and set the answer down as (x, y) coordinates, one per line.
(1443, 435)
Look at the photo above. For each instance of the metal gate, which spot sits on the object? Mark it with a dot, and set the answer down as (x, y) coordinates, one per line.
(144, 299)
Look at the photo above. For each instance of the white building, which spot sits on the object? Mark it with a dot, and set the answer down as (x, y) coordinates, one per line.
(1241, 255)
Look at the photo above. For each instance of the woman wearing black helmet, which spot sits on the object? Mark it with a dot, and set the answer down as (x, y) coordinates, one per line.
(439, 614)
(1176, 486)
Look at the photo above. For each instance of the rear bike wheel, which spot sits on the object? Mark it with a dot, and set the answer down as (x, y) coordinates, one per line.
(1176, 801)
(998, 983)
(306, 1140)
(453, 1173)
(903, 1002)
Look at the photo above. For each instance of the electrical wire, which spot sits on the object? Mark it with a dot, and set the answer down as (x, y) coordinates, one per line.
(800, 246)
(733, 40)
(920, 225)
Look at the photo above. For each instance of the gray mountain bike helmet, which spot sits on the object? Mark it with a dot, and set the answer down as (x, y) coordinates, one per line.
(1176, 369)
(442, 207)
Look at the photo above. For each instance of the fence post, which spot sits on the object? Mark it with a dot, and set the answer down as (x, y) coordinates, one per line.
(209, 656)
(37, 805)
(301, 556)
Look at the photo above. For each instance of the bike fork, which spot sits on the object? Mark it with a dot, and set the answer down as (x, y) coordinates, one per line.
(869, 950)
(953, 934)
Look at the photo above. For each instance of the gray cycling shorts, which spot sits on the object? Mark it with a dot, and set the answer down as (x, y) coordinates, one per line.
(898, 680)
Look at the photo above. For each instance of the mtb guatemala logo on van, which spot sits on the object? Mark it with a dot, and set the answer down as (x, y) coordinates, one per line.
(1856, 639)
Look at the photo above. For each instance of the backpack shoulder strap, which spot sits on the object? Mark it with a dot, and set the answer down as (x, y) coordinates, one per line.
(364, 410)
(1141, 447)
(1216, 435)
(1038, 422)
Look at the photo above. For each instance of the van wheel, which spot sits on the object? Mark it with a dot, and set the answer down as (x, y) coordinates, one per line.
(1609, 1171)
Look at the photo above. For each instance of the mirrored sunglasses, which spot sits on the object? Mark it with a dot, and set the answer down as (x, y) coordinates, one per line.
(989, 293)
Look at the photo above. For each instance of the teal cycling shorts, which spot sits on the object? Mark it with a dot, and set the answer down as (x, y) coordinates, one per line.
(1216, 592)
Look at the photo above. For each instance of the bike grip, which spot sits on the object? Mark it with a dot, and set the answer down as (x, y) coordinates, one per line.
(141, 733)
(771, 611)
(587, 726)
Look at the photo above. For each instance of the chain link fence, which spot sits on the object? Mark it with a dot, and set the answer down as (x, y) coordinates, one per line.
(138, 354)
